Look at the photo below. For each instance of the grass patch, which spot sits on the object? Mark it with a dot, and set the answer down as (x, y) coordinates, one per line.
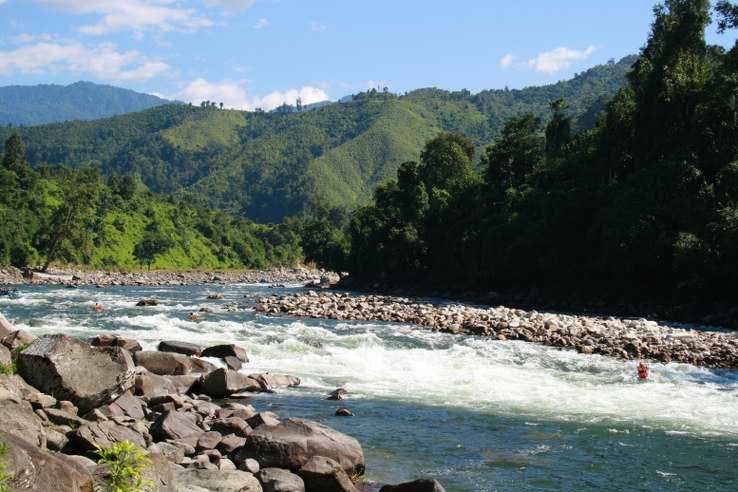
(8, 369)
(127, 463)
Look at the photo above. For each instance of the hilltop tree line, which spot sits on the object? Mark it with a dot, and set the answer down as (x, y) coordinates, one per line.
(644, 205)
(56, 214)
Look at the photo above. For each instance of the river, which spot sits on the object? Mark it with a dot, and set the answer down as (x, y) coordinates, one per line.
(477, 414)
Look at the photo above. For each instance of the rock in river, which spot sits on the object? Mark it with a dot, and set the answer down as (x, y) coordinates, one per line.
(69, 369)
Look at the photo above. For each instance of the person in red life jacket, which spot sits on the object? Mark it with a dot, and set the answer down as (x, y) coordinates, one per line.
(642, 371)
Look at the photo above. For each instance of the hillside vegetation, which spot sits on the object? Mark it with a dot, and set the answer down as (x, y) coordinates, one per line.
(270, 165)
(67, 216)
(48, 103)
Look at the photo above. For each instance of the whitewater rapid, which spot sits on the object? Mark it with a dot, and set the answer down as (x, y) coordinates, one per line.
(408, 364)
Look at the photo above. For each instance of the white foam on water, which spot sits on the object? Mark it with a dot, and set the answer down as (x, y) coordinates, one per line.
(414, 365)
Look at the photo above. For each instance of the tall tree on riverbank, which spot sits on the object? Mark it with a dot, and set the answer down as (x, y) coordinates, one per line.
(643, 205)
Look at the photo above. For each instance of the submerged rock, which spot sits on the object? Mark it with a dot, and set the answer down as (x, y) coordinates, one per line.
(423, 485)
(69, 369)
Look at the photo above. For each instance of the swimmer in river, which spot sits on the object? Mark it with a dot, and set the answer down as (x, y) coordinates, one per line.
(194, 317)
(642, 371)
(98, 308)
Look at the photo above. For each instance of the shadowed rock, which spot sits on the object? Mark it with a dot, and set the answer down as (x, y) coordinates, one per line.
(170, 364)
(69, 369)
(279, 480)
(33, 469)
(324, 474)
(179, 347)
(227, 350)
(422, 485)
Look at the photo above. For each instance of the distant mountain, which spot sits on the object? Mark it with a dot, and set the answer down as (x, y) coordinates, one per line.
(268, 165)
(39, 104)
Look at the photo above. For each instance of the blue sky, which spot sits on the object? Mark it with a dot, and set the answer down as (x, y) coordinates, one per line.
(260, 53)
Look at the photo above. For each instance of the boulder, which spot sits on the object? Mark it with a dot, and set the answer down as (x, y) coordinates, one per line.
(197, 480)
(293, 442)
(324, 474)
(163, 363)
(227, 350)
(231, 425)
(249, 465)
(6, 359)
(126, 404)
(176, 425)
(263, 418)
(147, 302)
(115, 341)
(233, 362)
(104, 434)
(180, 347)
(230, 443)
(18, 418)
(18, 339)
(279, 480)
(159, 475)
(151, 385)
(60, 417)
(422, 485)
(69, 369)
(209, 440)
(32, 469)
(223, 382)
(6, 327)
(269, 381)
(172, 453)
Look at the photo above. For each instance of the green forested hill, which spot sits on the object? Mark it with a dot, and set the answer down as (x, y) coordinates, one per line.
(271, 165)
(49, 103)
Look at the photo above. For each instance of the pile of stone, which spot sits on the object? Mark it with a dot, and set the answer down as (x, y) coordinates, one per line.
(70, 398)
(622, 338)
(278, 276)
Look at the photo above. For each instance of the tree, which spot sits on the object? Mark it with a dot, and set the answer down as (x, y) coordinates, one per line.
(447, 162)
(14, 157)
(558, 130)
(517, 151)
(152, 245)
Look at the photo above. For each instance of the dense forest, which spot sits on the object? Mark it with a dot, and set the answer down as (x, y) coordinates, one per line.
(50, 103)
(270, 165)
(644, 205)
(60, 215)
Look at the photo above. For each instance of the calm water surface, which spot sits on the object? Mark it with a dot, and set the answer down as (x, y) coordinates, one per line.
(479, 415)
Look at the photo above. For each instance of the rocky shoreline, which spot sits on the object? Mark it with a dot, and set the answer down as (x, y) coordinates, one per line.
(14, 276)
(186, 408)
(624, 338)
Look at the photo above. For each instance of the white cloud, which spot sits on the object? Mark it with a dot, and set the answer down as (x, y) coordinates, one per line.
(233, 95)
(262, 23)
(136, 15)
(231, 4)
(30, 38)
(507, 60)
(103, 61)
(2, 2)
(559, 59)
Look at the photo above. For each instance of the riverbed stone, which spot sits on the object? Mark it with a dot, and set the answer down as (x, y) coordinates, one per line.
(69, 369)
(104, 434)
(280, 480)
(293, 442)
(197, 480)
(223, 382)
(226, 350)
(18, 339)
(176, 425)
(6, 327)
(163, 363)
(18, 418)
(179, 347)
(30, 468)
(422, 485)
(326, 475)
(108, 340)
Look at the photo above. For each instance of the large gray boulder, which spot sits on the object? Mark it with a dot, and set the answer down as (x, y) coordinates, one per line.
(196, 480)
(227, 350)
(152, 385)
(176, 425)
(279, 480)
(32, 469)
(292, 443)
(170, 363)
(159, 475)
(269, 381)
(223, 382)
(6, 327)
(104, 434)
(324, 474)
(69, 369)
(18, 339)
(17, 416)
(179, 347)
(422, 485)
(5, 357)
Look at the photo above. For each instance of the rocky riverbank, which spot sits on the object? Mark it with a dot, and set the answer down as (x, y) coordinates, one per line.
(14, 276)
(623, 338)
(187, 407)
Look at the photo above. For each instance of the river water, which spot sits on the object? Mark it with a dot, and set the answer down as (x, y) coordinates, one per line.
(477, 414)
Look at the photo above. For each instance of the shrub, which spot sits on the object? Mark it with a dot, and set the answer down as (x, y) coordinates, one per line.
(4, 475)
(126, 463)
